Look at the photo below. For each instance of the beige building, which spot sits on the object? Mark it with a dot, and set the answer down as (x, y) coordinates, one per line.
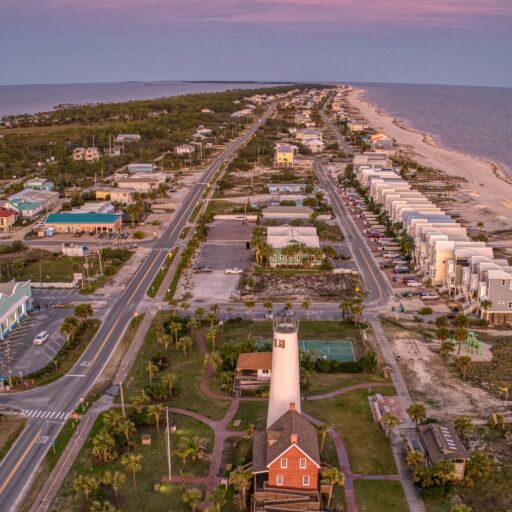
(7, 219)
(87, 154)
(115, 195)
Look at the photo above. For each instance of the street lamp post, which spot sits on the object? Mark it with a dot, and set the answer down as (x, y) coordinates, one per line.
(168, 444)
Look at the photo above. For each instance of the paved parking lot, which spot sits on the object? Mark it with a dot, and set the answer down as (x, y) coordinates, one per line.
(26, 357)
(57, 296)
(230, 231)
(219, 256)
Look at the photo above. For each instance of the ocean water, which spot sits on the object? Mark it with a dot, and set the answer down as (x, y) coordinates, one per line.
(475, 120)
(29, 99)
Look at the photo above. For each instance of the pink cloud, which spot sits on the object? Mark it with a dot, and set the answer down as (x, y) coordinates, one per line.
(343, 12)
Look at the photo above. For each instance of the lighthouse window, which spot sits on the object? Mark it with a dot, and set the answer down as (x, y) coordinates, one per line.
(279, 343)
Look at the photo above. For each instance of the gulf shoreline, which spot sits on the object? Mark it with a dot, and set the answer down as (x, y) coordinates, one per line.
(489, 187)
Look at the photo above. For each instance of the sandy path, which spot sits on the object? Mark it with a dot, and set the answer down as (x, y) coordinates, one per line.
(487, 195)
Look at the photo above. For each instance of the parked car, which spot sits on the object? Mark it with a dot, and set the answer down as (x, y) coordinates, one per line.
(401, 269)
(41, 338)
(391, 255)
(234, 270)
(201, 268)
(412, 283)
(399, 261)
(425, 295)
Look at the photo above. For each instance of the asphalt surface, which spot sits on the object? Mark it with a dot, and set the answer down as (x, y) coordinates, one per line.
(48, 407)
(342, 143)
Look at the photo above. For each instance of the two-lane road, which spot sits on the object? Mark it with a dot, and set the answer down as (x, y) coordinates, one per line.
(48, 407)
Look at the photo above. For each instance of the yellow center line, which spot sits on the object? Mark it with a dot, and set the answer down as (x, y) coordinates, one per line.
(5, 483)
(141, 282)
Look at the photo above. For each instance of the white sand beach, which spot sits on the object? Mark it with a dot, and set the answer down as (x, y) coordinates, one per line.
(485, 197)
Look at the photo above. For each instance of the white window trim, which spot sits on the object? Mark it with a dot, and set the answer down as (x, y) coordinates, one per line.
(305, 480)
(302, 463)
(284, 463)
(279, 480)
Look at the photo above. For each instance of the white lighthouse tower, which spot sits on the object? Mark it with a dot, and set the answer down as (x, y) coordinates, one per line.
(285, 380)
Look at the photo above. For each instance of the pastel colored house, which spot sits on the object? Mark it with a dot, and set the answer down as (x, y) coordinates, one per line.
(30, 202)
(281, 237)
(253, 371)
(115, 194)
(184, 149)
(15, 302)
(39, 184)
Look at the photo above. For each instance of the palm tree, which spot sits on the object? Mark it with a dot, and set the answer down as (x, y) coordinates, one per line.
(241, 479)
(83, 311)
(170, 380)
(175, 328)
(461, 321)
(229, 310)
(464, 364)
(185, 345)
(214, 359)
(163, 339)
(104, 446)
(415, 459)
(217, 498)
(442, 334)
(461, 335)
(357, 309)
(139, 400)
(345, 306)
(266, 251)
(390, 421)
(126, 427)
(111, 420)
(460, 507)
(447, 348)
(151, 368)
(156, 410)
(463, 426)
(199, 314)
(115, 479)
(249, 304)
(192, 325)
(193, 447)
(192, 497)
(332, 477)
(185, 306)
(441, 321)
(305, 306)
(485, 305)
(102, 506)
(227, 380)
(323, 430)
(268, 305)
(211, 336)
(173, 304)
(480, 226)
(69, 326)
(212, 318)
(133, 463)
(417, 413)
(86, 484)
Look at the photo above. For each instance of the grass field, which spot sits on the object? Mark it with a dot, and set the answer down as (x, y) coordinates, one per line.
(326, 382)
(154, 466)
(251, 413)
(380, 496)
(10, 429)
(189, 370)
(366, 443)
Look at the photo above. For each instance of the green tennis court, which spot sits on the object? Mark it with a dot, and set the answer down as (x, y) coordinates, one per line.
(339, 350)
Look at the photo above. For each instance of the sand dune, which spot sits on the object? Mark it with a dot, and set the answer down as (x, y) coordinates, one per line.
(487, 195)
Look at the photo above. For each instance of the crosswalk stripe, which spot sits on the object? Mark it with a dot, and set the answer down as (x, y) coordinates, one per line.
(52, 414)
(46, 414)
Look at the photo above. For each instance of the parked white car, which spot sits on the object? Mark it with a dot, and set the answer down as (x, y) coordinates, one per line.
(429, 296)
(391, 255)
(41, 338)
(234, 271)
(413, 283)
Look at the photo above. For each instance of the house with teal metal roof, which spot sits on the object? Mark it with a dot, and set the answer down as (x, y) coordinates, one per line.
(15, 302)
(86, 222)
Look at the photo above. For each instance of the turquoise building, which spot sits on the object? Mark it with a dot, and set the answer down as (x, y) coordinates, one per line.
(15, 302)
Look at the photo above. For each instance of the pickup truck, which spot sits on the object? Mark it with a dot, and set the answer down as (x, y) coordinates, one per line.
(429, 296)
(234, 270)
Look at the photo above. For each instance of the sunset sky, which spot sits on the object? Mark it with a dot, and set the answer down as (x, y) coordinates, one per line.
(420, 41)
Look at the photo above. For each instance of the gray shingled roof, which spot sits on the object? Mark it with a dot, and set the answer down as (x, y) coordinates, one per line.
(270, 444)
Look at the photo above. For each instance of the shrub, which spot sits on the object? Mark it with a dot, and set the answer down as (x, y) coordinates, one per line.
(138, 235)
(426, 310)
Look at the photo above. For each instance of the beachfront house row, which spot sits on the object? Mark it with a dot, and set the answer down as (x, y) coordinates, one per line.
(15, 302)
(309, 134)
(443, 252)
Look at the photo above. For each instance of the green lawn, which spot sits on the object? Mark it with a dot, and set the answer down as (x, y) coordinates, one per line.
(154, 466)
(236, 451)
(380, 496)
(319, 330)
(251, 412)
(189, 371)
(325, 382)
(366, 443)
(155, 285)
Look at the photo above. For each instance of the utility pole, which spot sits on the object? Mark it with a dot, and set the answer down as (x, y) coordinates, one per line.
(122, 398)
(99, 258)
(168, 443)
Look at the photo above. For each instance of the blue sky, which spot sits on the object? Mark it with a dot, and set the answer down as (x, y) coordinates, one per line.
(418, 41)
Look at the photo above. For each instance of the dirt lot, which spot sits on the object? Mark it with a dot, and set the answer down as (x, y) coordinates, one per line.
(293, 285)
(432, 381)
